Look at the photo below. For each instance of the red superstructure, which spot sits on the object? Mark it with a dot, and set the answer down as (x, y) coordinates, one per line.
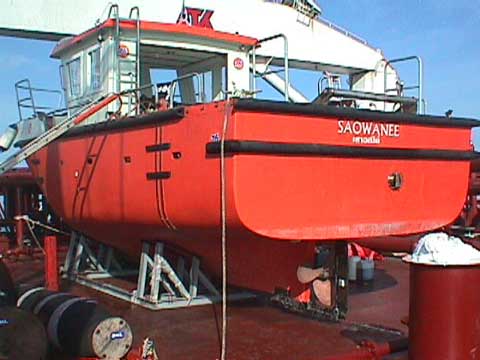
(20, 196)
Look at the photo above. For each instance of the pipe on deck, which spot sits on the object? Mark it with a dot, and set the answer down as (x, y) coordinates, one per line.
(371, 350)
(19, 212)
(51, 263)
(390, 243)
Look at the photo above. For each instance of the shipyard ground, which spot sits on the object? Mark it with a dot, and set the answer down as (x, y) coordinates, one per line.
(259, 331)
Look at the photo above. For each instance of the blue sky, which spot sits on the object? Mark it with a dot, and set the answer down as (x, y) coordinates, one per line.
(445, 33)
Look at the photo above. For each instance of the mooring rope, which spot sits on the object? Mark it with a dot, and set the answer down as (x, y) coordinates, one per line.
(31, 225)
(27, 219)
(37, 242)
(224, 232)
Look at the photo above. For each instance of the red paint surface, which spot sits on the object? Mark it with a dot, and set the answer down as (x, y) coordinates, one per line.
(174, 29)
(373, 351)
(86, 114)
(17, 176)
(444, 320)
(391, 243)
(51, 263)
(272, 201)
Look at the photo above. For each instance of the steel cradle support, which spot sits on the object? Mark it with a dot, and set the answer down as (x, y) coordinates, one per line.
(159, 284)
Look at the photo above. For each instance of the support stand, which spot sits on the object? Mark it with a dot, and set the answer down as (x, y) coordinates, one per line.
(51, 263)
(159, 284)
(82, 260)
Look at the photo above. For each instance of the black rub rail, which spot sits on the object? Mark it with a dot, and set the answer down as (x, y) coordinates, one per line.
(155, 118)
(232, 147)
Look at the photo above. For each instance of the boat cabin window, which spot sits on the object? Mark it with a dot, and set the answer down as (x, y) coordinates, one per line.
(74, 77)
(94, 69)
(193, 76)
(164, 72)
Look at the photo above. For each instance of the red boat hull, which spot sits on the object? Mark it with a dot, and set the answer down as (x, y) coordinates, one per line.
(294, 176)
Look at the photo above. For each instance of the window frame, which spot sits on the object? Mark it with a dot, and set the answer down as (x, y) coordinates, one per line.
(91, 71)
(72, 94)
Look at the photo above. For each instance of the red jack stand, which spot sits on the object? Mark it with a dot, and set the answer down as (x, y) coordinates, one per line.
(51, 263)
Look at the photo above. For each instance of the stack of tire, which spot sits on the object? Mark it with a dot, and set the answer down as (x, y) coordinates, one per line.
(22, 335)
(41, 322)
(76, 326)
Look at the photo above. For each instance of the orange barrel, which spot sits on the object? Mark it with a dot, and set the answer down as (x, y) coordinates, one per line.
(444, 315)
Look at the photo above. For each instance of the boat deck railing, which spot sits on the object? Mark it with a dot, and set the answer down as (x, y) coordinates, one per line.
(418, 86)
(165, 91)
(26, 99)
(267, 71)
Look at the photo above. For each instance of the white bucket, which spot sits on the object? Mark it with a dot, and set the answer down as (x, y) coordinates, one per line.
(352, 267)
(366, 269)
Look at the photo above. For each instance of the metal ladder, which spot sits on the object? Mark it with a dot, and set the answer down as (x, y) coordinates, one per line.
(127, 62)
(56, 131)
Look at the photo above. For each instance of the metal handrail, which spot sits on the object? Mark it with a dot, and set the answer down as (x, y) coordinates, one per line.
(320, 82)
(419, 85)
(134, 14)
(136, 9)
(43, 90)
(112, 7)
(19, 106)
(286, 60)
(19, 85)
(114, 10)
(172, 83)
(194, 75)
(343, 31)
(137, 91)
(303, 7)
(56, 131)
(285, 54)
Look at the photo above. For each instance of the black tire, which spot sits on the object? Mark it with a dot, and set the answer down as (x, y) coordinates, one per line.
(8, 296)
(22, 335)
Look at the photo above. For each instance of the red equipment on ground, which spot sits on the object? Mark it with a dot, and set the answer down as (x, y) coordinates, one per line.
(363, 252)
(21, 195)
